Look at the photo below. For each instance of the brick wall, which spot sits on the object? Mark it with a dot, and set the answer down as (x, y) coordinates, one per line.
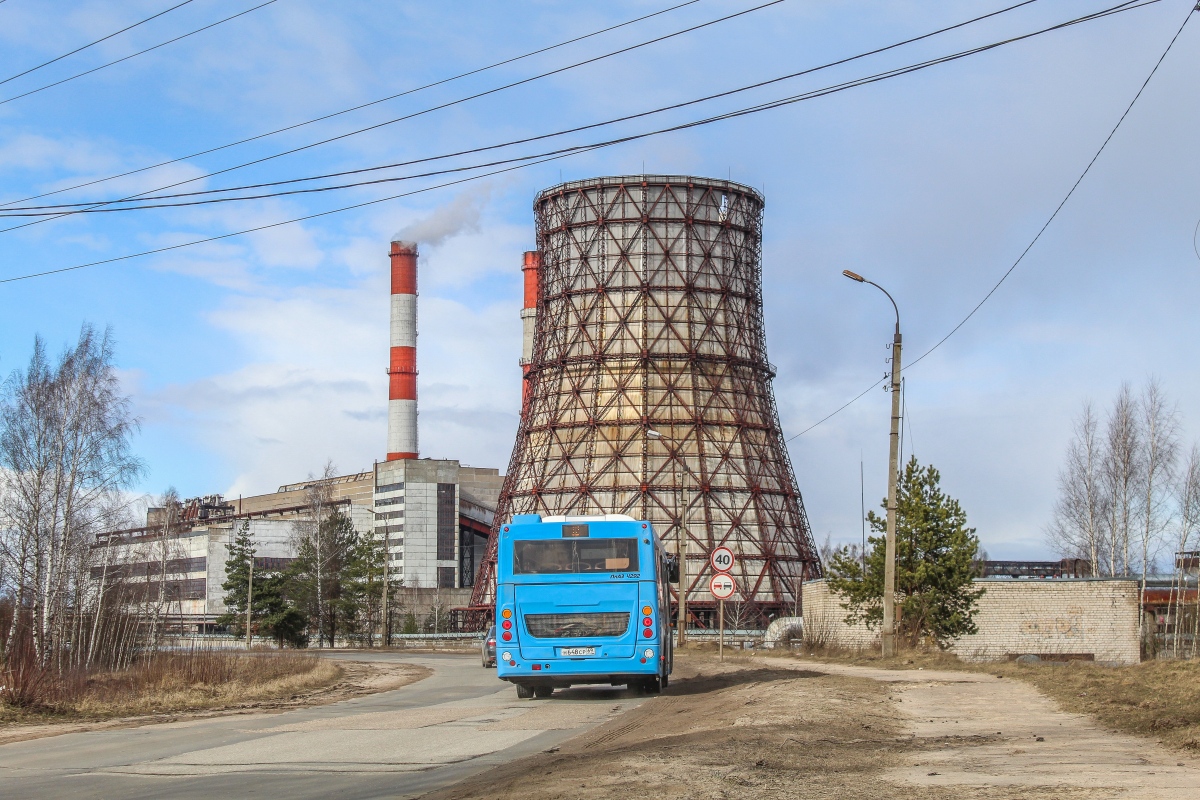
(1052, 617)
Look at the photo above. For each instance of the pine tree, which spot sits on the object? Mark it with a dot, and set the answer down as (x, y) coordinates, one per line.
(330, 553)
(936, 564)
(361, 603)
(237, 580)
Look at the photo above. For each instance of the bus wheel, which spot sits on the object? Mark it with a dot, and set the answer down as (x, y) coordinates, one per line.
(543, 691)
(652, 686)
(524, 692)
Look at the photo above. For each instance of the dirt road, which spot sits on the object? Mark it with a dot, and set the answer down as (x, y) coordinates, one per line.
(779, 728)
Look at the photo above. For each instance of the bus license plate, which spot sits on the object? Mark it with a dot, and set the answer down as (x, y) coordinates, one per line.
(577, 651)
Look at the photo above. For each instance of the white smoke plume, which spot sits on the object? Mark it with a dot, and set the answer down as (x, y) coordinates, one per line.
(460, 215)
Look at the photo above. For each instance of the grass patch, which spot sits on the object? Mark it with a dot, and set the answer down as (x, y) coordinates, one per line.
(174, 682)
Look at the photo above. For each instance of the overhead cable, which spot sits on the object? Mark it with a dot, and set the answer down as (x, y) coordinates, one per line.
(344, 208)
(1041, 230)
(352, 108)
(93, 43)
(425, 111)
(135, 55)
(541, 137)
(754, 109)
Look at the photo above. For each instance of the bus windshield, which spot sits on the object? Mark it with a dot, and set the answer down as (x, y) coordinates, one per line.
(554, 556)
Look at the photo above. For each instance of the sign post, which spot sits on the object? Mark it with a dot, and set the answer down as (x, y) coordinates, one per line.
(721, 560)
(722, 587)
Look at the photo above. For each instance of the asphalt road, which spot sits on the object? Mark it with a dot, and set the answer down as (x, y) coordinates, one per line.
(402, 743)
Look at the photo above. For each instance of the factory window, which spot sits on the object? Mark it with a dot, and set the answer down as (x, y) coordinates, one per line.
(447, 525)
(390, 501)
(445, 577)
(388, 529)
(391, 515)
(389, 487)
(272, 564)
(143, 569)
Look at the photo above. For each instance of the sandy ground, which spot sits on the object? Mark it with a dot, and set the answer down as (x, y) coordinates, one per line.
(776, 728)
(358, 678)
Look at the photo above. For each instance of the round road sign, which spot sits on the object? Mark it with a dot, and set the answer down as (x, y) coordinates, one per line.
(721, 559)
(721, 586)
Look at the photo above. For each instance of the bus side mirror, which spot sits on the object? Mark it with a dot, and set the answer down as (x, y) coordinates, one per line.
(672, 564)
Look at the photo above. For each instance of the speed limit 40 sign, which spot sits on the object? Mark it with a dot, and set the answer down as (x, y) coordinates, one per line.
(721, 559)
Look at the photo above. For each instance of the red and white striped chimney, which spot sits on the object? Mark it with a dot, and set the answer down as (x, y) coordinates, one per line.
(530, 269)
(402, 370)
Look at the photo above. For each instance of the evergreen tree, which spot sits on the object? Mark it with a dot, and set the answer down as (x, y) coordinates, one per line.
(360, 606)
(936, 564)
(331, 551)
(237, 582)
(281, 619)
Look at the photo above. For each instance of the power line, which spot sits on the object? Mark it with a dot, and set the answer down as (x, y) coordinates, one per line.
(425, 111)
(92, 44)
(135, 55)
(477, 177)
(812, 94)
(270, 225)
(353, 108)
(541, 137)
(1038, 236)
(1070, 192)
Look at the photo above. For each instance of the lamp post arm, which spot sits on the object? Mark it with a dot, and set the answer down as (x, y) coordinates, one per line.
(889, 297)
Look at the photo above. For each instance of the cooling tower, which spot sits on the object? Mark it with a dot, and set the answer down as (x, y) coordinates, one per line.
(648, 390)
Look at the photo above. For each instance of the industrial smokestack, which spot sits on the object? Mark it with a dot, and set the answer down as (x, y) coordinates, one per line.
(533, 264)
(402, 370)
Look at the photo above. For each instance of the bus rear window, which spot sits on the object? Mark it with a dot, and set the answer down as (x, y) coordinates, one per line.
(554, 556)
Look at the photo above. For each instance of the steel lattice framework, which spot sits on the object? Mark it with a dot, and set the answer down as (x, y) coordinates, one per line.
(649, 318)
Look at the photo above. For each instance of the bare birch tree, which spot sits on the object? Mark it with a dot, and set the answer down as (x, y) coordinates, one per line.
(1077, 529)
(1187, 528)
(1160, 452)
(65, 431)
(1121, 470)
(319, 500)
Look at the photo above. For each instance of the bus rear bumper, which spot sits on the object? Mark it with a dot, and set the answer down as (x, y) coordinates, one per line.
(561, 673)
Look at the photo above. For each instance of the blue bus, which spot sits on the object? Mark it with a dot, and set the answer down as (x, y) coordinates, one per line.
(582, 600)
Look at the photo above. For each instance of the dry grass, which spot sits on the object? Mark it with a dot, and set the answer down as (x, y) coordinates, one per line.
(174, 682)
(1159, 699)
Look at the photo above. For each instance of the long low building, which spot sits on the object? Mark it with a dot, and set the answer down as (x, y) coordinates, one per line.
(434, 515)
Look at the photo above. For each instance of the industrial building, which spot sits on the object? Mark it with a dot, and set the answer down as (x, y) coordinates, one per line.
(647, 386)
(434, 514)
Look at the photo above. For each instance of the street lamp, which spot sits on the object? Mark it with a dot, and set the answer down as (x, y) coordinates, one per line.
(888, 637)
(680, 541)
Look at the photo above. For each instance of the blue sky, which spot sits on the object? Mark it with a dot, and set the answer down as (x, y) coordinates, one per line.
(254, 359)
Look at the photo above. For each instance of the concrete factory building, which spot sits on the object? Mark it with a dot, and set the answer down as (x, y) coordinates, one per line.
(434, 514)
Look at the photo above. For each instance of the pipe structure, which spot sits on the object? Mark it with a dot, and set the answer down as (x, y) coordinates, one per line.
(647, 302)
(402, 367)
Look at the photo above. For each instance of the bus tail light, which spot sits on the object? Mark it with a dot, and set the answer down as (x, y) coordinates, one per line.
(506, 636)
(647, 632)
(647, 611)
(648, 622)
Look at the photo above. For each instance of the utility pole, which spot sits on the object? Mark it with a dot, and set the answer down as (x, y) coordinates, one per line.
(888, 634)
(249, 598)
(680, 542)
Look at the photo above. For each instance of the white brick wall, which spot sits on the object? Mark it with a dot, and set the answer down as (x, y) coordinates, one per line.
(1051, 617)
